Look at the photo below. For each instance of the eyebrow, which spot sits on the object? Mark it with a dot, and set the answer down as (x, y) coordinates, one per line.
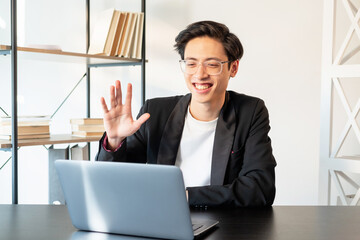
(207, 59)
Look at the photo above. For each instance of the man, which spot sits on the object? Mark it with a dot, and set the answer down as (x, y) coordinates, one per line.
(218, 138)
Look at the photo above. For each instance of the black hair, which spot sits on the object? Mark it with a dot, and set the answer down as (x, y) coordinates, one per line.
(218, 31)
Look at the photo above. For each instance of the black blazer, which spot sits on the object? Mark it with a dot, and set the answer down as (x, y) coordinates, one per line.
(242, 171)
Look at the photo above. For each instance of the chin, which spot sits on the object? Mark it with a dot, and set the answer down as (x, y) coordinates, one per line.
(200, 99)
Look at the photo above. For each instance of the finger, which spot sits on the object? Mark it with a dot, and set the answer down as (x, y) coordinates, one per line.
(104, 106)
(128, 96)
(118, 95)
(112, 97)
(141, 120)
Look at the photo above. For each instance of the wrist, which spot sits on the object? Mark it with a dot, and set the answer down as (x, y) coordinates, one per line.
(114, 143)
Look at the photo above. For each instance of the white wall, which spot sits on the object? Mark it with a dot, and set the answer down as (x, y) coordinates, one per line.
(281, 64)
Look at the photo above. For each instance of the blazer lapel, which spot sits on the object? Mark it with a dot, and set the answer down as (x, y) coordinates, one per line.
(171, 136)
(224, 138)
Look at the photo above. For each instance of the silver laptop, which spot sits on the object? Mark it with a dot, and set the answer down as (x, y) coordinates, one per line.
(128, 198)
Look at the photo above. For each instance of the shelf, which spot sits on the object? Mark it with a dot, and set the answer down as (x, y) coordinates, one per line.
(355, 157)
(54, 139)
(47, 54)
(58, 55)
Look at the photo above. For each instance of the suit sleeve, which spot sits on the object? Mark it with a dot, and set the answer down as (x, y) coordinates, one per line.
(255, 182)
(133, 148)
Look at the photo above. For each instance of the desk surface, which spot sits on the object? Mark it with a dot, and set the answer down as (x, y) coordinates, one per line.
(279, 222)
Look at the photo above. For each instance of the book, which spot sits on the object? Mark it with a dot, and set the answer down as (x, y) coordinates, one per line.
(111, 38)
(133, 44)
(100, 32)
(87, 134)
(118, 33)
(122, 25)
(129, 37)
(28, 136)
(122, 39)
(136, 46)
(27, 123)
(140, 36)
(88, 127)
(26, 130)
(79, 152)
(125, 36)
(26, 120)
(86, 121)
(36, 123)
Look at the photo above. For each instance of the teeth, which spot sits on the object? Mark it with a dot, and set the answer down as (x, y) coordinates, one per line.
(201, 86)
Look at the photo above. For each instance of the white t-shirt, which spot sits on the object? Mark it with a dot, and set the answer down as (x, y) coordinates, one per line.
(195, 151)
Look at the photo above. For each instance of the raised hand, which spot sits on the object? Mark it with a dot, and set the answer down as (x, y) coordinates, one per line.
(118, 120)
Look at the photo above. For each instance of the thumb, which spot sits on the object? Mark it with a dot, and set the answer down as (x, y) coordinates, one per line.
(140, 121)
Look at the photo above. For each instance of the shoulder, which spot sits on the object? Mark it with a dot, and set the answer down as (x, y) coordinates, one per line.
(161, 109)
(240, 100)
(164, 100)
(162, 105)
(246, 107)
(250, 112)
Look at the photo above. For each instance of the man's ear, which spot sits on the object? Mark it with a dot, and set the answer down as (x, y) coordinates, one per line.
(234, 68)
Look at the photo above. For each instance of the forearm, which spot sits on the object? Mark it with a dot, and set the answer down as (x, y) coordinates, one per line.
(243, 192)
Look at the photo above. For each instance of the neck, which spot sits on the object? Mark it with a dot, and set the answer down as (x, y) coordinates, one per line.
(206, 111)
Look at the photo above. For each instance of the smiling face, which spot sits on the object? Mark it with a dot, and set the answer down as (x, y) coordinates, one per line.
(208, 89)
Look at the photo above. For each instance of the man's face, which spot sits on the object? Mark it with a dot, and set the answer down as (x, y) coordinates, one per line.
(207, 88)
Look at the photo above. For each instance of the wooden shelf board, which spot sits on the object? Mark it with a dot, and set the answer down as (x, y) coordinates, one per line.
(43, 54)
(54, 139)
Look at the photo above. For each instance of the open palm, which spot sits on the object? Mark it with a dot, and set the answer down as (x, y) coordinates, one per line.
(118, 120)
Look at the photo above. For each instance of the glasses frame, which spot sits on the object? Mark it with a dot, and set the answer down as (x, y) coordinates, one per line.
(202, 63)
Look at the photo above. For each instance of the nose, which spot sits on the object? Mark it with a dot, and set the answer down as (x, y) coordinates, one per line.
(201, 72)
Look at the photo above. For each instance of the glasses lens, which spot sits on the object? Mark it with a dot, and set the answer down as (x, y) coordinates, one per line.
(188, 66)
(211, 67)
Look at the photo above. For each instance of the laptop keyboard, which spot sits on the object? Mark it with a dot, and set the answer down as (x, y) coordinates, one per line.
(196, 226)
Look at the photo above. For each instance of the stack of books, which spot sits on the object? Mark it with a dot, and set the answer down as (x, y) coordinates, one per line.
(29, 127)
(118, 34)
(87, 127)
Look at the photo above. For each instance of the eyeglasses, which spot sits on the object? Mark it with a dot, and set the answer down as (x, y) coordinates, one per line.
(211, 67)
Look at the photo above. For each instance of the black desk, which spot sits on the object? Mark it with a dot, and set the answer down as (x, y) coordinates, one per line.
(279, 222)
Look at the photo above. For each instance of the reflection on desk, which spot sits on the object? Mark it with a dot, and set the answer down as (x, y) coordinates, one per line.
(82, 235)
(44, 222)
(240, 223)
